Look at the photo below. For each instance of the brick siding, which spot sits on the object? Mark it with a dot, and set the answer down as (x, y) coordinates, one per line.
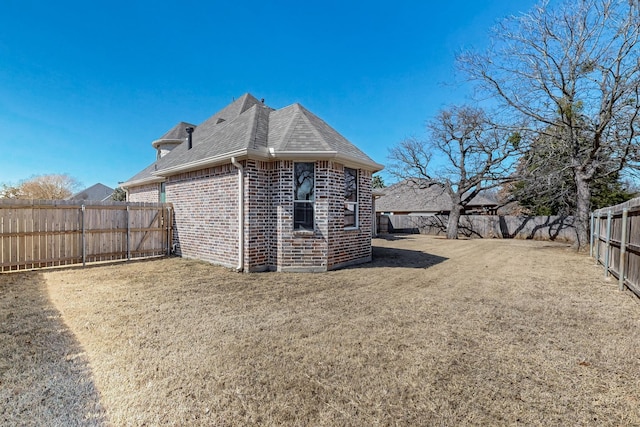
(206, 217)
(149, 193)
(205, 203)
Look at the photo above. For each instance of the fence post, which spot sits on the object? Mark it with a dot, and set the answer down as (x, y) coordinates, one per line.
(128, 239)
(167, 221)
(623, 249)
(84, 245)
(607, 253)
(591, 231)
(597, 233)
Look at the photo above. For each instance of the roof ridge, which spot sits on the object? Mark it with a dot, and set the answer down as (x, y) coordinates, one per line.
(291, 125)
(314, 129)
(253, 133)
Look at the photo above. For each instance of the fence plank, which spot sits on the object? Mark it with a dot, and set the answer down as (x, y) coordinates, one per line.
(486, 226)
(622, 251)
(35, 234)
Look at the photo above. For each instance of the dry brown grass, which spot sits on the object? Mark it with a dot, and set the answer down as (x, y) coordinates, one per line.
(44, 375)
(433, 332)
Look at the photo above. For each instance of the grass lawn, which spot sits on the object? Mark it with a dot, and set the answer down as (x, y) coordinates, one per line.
(432, 332)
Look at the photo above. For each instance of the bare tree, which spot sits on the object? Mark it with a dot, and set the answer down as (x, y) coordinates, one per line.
(464, 155)
(9, 191)
(574, 72)
(43, 187)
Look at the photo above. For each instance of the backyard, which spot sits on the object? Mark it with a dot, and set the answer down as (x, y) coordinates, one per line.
(432, 332)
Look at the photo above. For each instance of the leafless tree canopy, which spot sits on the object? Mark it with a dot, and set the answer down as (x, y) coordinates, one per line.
(42, 187)
(574, 72)
(464, 155)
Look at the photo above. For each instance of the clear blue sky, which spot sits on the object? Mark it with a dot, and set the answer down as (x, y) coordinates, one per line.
(85, 87)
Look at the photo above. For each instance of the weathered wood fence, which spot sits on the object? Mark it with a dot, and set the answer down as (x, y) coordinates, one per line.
(557, 228)
(43, 233)
(615, 242)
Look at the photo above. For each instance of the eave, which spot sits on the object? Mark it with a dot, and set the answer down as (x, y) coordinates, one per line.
(326, 155)
(158, 142)
(143, 181)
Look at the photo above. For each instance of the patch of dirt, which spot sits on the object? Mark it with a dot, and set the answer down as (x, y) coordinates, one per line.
(432, 332)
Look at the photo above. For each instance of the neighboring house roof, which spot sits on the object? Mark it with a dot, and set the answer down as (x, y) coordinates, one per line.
(97, 192)
(408, 196)
(248, 128)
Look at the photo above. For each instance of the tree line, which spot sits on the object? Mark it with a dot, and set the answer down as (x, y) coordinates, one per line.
(555, 121)
(48, 187)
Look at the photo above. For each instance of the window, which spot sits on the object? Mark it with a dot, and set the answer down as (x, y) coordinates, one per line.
(163, 192)
(350, 198)
(304, 197)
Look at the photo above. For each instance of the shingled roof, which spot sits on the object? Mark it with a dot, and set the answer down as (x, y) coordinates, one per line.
(97, 192)
(248, 128)
(178, 133)
(408, 196)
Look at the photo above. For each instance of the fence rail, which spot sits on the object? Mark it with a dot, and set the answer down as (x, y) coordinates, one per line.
(43, 233)
(557, 228)
(615, 242)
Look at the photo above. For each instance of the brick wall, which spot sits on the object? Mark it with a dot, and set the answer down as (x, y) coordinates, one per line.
(149, 193)
(259, 215)
(206, 217)
(206, 214)
(330, 245)
(351, 246)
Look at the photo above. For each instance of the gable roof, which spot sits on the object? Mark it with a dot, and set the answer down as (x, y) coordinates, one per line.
(248, 128)
(408, 196)
(97, 192)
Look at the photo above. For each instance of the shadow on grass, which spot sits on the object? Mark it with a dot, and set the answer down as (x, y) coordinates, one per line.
(396, 257)
(45, 378)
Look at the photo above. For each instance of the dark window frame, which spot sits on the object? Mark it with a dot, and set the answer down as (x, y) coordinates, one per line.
(304, 196)
(351, 193)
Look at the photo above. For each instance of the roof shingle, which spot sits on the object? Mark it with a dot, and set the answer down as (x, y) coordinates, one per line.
(247, 125)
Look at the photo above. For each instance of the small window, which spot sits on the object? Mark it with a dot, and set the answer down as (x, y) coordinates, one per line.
(304, 196)
(163, 193)
(350, 198)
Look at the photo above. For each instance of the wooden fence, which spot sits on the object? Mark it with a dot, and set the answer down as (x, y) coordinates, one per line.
(615, 242)
(486, 226)
(37, 233)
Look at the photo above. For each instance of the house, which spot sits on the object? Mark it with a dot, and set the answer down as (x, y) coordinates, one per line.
(257, 188)
(96, 193)
(409, 198)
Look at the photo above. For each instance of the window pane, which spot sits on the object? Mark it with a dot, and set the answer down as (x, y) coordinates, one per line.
(302, 216)
(350, 185)
(350, 215)
(163, 192)
(304, 185)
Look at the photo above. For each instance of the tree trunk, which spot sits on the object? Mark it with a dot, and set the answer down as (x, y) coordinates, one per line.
(583, 208)
(452, 225)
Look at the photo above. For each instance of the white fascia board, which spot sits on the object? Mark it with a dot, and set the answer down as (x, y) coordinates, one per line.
(212, 161)
(158, 142)
(143, 181)
(268, 155)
